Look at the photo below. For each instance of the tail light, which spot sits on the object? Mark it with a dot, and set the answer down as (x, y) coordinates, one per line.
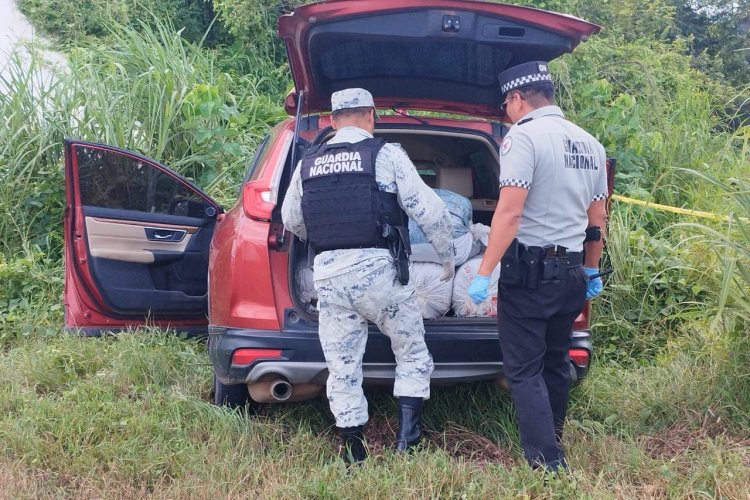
(248, 356)
(258, 200)
(579, 356)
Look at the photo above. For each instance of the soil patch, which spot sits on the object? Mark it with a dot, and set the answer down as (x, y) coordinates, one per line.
(463, 443)
(456, 441)
(678, 440)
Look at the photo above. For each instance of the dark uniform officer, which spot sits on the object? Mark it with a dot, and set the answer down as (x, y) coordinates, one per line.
(553, 187)
(350, 199)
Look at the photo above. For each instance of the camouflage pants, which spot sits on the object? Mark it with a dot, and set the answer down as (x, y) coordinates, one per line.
(346, 303)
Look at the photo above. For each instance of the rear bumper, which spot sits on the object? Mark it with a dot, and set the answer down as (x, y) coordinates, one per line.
(461, 354)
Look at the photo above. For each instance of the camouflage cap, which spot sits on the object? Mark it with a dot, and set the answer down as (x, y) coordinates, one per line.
(523, 75)
(351, 98)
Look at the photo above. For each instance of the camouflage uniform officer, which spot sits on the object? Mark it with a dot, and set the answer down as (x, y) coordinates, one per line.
(329, 205)
(553, 189)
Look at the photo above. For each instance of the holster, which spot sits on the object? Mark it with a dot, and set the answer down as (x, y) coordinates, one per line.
(400, 248)
(519, 266)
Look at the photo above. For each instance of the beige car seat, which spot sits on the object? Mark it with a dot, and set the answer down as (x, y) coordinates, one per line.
(456, 179)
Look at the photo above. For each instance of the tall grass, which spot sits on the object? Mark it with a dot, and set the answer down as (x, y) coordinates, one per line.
(149, 91)
(663, 281)
(673, 272)
(731, 244)
(30, 179)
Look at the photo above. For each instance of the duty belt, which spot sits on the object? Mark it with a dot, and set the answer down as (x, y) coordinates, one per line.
(558, 253)
(527, 266)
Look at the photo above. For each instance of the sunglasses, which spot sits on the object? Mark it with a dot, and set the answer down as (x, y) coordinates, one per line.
(504, 105)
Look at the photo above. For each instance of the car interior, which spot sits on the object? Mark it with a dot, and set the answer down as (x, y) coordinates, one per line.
(462, 162)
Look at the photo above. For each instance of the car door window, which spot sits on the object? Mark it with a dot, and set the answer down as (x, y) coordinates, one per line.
(116, 181)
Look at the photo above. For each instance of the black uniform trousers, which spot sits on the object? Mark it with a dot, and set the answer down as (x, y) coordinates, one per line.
(534, 328)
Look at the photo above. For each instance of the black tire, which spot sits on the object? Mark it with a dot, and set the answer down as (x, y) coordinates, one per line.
(231, 396)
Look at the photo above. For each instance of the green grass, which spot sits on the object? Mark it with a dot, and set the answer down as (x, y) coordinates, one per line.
(147, 90)
(129, 415)
(30, 297)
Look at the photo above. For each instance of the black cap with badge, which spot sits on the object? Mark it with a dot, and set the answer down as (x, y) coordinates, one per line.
(523, 75)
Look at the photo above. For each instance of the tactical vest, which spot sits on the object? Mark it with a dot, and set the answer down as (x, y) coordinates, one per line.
(341, 204)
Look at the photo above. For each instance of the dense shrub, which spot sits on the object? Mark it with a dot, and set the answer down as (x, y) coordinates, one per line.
(69, 22)
(30, 301)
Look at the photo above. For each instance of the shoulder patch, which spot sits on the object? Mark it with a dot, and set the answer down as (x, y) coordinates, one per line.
(506, 145)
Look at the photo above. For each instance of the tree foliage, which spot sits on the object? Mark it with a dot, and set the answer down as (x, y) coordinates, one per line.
(70, 21)
(253, 24)
(720, 31)
(717, 31)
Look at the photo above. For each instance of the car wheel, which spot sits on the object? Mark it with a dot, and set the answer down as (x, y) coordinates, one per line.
(232, 396)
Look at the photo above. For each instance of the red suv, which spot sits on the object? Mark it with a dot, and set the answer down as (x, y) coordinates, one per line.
(144, 244)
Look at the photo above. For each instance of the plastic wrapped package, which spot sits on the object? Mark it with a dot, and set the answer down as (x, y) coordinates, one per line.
(459, 209)
(464, 242)
(464, 246)
(481, 234)
(433, 295)
(463, 306)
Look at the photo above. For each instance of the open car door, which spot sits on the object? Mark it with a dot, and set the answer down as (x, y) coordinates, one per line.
(136, 242)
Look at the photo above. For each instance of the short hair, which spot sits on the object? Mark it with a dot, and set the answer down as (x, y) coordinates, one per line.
(351, 112)
(538, 94)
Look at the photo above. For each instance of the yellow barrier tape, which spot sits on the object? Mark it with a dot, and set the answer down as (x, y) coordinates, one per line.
(667, 208)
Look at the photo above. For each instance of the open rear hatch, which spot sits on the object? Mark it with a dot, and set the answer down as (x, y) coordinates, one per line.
(436, 55)
(463, 163)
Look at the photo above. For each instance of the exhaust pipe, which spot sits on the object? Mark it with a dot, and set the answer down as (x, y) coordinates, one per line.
(281, 390)
(277, 389)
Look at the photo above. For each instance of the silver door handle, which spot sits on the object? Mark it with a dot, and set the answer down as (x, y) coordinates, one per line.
(162, 234)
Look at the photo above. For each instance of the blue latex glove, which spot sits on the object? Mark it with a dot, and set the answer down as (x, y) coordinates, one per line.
(478, 288)
(594, 286)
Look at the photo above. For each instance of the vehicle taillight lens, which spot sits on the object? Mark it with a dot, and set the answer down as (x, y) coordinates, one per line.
(257, 200)
(579, 356)
(247, 356)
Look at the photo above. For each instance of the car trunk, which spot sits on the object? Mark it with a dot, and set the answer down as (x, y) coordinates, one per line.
(452, 160)
(434, 55)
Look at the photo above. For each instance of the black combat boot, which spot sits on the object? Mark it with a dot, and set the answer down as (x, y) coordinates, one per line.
(409, 415)
(354, 451)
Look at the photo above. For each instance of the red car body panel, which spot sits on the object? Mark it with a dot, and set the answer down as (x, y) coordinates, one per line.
(248, 281)
(244, 289)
